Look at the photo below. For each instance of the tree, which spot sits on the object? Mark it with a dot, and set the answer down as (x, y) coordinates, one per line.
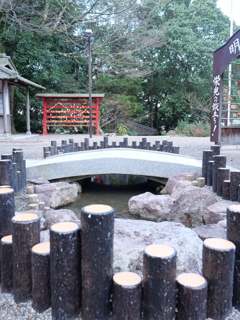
(182, 68)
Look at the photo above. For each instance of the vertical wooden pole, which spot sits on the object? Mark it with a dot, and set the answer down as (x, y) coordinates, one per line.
(41, 290)
(233, 235)
(159, 282)
(226, 190)
(222, 174)
(218, 269)
(9, 157)
(234, 183)
(207, 156)
(6, 264)
(97, 261)
(26, 233)
(6, 173)
(7, 211)
(216, 150)
(44, 123)
(65, 257)
(191, 297)
(219, 162)
(127, 296)
(210, 173)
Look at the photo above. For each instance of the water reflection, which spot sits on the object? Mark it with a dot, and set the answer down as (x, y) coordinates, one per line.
(112, 190)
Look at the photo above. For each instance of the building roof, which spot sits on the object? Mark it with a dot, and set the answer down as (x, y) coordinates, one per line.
(9, 72)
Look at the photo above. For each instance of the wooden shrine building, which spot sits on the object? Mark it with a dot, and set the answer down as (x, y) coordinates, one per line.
(69, 110)
(9, 76)
(225, 109)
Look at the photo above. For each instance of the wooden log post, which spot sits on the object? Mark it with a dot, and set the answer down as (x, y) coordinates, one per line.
(175, 150)
(125, 142)
(46, 152)
(207, 156)
(218, 268)
(97, 260)
(191, 297)
(26, 233)
(105, 142)
(83, 146)
(95, 145)
(233, 235)
(54, 149)
(7, 211)
(41, 289)
(216, 150)
(64, 142)
(71, 145)
(219, 162)
(11, 176)
(6, 264)
(159, 282)
(18, 159)
(65, 268)
(234, 183)
(169, 146)
(210, 172)
(226, 190)
(127, 296)
(6, 173)
(144, 143)
(15, 177)
(222, 174)
(86, 141)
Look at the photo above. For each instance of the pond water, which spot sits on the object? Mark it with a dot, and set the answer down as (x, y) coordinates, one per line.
(112, 190)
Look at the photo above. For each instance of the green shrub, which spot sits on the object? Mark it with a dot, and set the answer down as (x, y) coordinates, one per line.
(192, 129)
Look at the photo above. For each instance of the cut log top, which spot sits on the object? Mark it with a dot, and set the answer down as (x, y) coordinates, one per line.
(160, 250)
(25, 217)
(234, 208)
(42, 248)
(191, 280)
(219, 244)
(127, 279)
(7, 239)
(97, 208)
(64, 227)
(6, 189)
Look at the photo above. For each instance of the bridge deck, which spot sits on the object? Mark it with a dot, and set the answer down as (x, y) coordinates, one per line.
(109, 161)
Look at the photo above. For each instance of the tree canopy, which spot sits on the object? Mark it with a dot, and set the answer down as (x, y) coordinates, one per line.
(152, 58)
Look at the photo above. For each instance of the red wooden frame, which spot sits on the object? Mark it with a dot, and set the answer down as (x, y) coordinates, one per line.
(67, 110)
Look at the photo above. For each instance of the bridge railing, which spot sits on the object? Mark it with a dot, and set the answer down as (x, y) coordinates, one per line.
(71, 146)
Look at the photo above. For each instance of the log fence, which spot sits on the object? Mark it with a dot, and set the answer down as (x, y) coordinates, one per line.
(71, 146)
(13, 170)
(225, 183)
(78, 270)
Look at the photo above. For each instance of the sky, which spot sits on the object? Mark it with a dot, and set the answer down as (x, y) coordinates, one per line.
(225, 6)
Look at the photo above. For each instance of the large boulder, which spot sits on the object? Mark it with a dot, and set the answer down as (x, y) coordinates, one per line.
(173, 180)
(62, 215)
(150, 206)
(189, 209)
(211, 231)
(216, 212)
(131, 237)
(59, 194)
(179, 187)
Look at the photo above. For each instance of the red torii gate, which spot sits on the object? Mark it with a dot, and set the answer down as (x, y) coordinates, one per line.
(69, 110)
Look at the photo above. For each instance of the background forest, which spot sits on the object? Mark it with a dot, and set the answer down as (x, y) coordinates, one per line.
(151, 58)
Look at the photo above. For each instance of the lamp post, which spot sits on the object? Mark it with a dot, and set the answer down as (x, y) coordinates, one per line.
(89, 36)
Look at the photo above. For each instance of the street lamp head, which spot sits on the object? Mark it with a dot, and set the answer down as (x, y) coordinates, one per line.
(88, 33)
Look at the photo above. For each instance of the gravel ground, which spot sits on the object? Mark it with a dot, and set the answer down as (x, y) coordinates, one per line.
(32, 147)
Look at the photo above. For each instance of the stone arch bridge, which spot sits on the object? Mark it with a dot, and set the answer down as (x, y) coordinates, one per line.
(152, 165)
